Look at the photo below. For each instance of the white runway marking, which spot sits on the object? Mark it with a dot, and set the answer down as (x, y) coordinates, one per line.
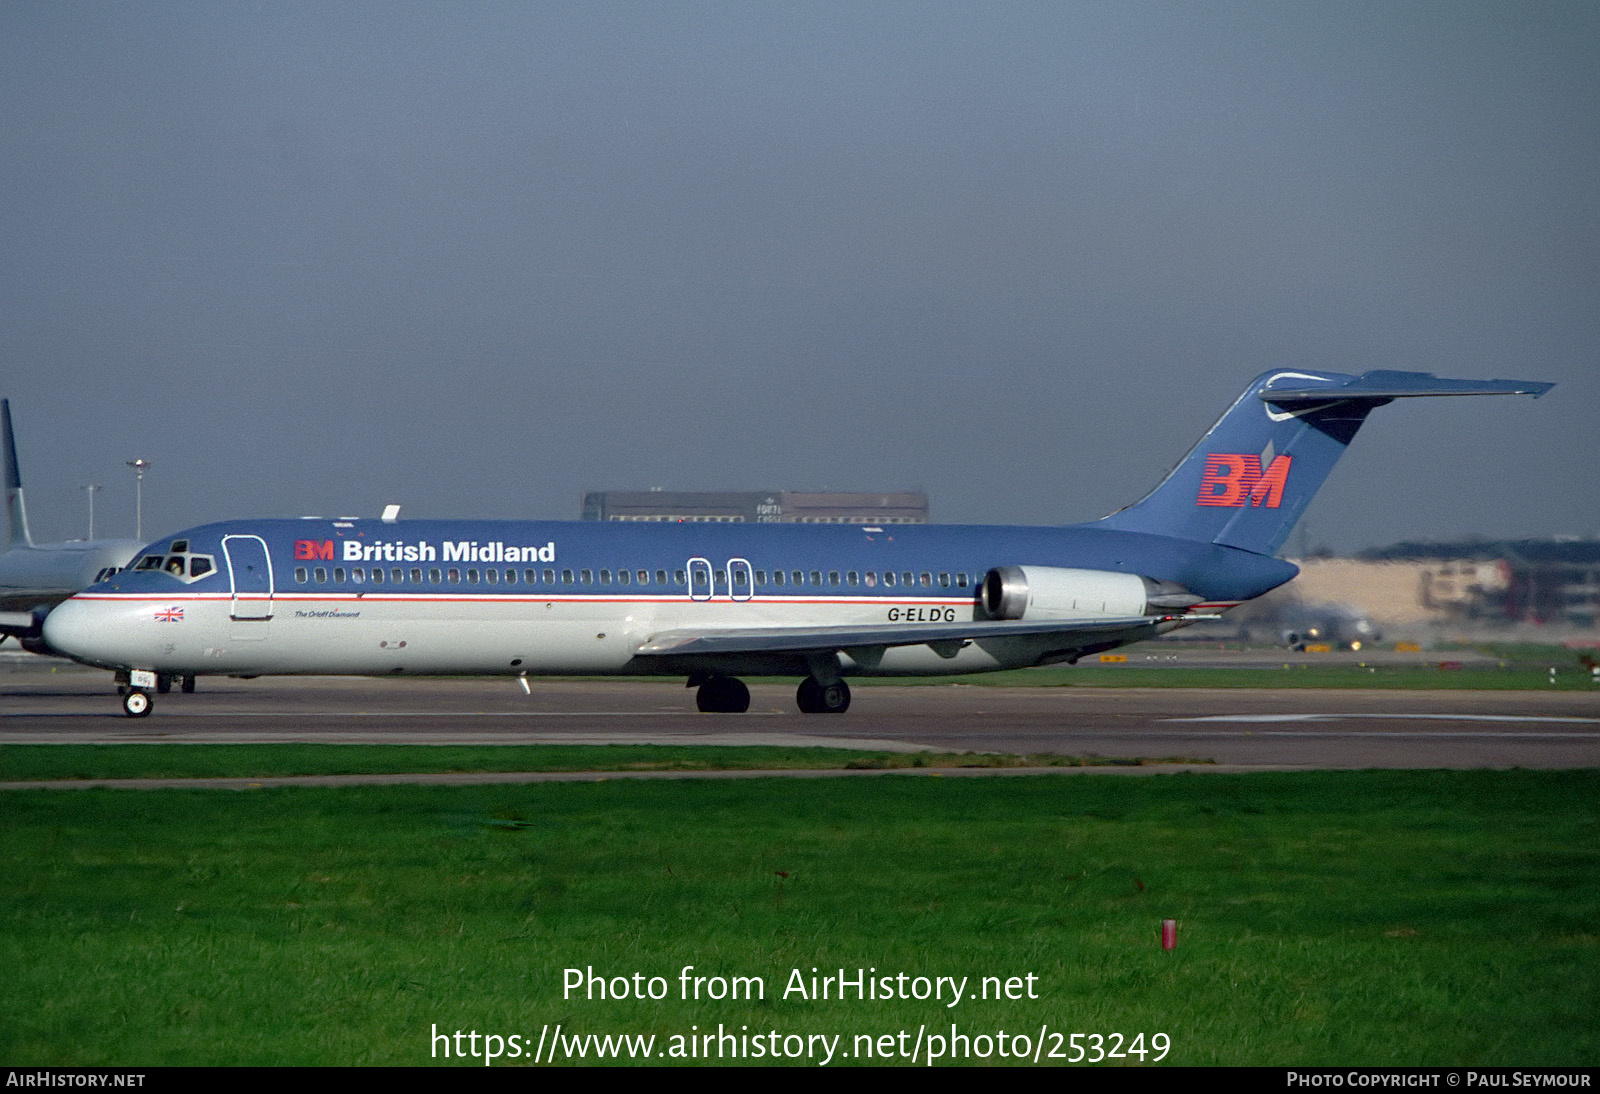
(1373, 735)
(1268, 718)
(455, 737)
(467, 714)
(179, 713)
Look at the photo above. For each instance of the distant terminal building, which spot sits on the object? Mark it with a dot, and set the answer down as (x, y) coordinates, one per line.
(758, 506)
(1489, 583)
(1528, 580)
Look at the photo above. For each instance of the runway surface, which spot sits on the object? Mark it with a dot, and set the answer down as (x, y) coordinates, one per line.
(44, 701)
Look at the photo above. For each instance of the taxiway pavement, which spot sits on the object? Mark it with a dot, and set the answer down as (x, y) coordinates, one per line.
(44, 701)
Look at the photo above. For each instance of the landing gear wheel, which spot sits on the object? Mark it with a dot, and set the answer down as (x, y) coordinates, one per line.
(163, 683)
(817, 698)
(136, 704)
(188, 685)
(723, 695)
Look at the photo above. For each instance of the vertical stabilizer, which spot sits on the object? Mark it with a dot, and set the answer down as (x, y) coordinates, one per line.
(16, 509)
(1249, 479)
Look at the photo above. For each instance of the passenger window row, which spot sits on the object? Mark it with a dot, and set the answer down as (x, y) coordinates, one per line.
(853, 579)
(416, 575)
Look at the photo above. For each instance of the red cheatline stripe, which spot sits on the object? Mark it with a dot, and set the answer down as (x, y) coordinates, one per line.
(442, 598)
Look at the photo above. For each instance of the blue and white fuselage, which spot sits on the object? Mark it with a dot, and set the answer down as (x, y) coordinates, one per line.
(463, 597)
(716, 601)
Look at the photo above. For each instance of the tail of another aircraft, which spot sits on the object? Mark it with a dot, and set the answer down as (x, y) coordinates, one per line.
(16, 510)
(1251, 477)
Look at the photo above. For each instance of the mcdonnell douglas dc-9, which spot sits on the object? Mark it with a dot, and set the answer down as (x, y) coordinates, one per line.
(713, 602)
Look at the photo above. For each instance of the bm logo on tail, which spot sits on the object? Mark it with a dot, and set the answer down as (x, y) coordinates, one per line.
(1231, 478)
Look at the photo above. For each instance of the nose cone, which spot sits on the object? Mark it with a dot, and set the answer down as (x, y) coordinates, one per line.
(89, 631)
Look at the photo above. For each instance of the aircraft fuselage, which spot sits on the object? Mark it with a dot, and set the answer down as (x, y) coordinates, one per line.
(507, 597)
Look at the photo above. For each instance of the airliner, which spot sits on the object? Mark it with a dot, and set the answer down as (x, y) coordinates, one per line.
(33, 578)
(714, 602)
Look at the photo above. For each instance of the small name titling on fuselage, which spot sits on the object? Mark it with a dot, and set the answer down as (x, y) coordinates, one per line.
(423, 551)
(458, 551)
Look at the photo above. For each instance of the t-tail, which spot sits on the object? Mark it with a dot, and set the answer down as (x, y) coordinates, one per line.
(16, 510)
(1254, 473)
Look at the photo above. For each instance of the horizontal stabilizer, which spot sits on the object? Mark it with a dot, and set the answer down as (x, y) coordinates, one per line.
(1381, 385)
(804, 639)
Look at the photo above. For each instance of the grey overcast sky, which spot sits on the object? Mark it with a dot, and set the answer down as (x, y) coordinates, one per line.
(476, 258)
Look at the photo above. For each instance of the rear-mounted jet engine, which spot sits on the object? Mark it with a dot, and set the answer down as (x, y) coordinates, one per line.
(1054, 592)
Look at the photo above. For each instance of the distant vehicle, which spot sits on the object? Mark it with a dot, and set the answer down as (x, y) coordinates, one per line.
(34, 578)
(1334, 625)
(712, 602)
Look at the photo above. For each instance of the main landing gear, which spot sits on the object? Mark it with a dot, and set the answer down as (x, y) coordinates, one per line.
(815, 697)
(726, 695)
(722, 695)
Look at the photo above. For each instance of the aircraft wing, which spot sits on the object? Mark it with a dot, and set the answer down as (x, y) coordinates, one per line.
(855, 636)
(20, 624)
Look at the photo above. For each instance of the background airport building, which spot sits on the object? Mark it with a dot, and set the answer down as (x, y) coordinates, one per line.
(758, 506)
(1474, 589)
(1536, 582)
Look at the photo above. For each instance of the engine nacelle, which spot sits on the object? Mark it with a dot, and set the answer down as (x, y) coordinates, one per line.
(1055, 592)
(28, 629)
(37, 644)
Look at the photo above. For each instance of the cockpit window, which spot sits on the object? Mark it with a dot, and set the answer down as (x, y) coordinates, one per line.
(180, 547)
(185, 567)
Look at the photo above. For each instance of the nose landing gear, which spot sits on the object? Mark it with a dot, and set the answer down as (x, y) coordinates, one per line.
(136, 687)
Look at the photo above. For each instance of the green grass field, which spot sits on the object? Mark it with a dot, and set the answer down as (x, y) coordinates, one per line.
(1338, 918)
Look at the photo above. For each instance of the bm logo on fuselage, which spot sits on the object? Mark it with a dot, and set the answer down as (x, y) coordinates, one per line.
(313, 548)
(1233, 479)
